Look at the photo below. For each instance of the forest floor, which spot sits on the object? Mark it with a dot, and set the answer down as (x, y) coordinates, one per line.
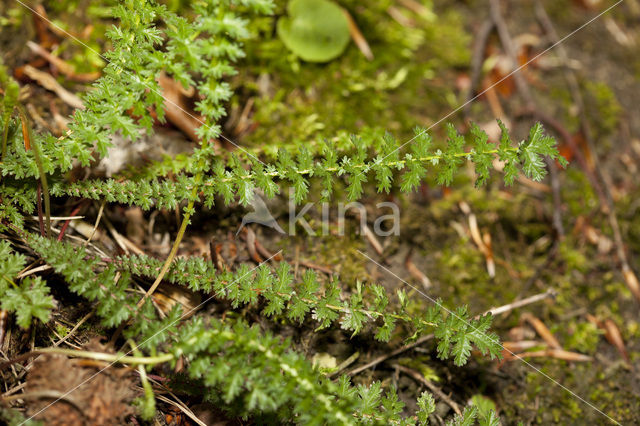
(578, 350)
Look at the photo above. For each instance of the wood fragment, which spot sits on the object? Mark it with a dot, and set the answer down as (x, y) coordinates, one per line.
(31, 271)
(491, 264)
(344, 364)
(169, 295)
(73, 330)
(483, 242)
(135, 225)
(38, 118)
(41, 24)
(618, 34)
(244, 122)
(121, 240)
(631, 280)
(391, 354)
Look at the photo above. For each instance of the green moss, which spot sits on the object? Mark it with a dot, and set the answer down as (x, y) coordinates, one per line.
(581, 336)
(304, 101)
(602, 107)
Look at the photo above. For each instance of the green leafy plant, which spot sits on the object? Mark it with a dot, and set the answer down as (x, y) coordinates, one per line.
(244, 368)
(30, 297)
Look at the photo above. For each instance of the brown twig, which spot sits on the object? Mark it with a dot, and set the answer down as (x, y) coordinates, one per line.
(507, 43)
(66, 223)
(416, 273)
(433, 388)
(65, 68)
(520, 303)
(39, 206)
(4, 325)
(557, 199)
(320, 268)
(392, 354)
(481, 39)
(266, 253)
(371, 237)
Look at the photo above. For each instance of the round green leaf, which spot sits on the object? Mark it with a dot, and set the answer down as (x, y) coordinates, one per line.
(315, 30)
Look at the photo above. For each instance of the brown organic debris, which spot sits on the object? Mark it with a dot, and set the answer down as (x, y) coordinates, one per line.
(357, 37)
(542, 330)
(65, 393)
(612, 334)
(65, 68)
(177, 109)
(557, 354)
(47, 81)
(417, 273)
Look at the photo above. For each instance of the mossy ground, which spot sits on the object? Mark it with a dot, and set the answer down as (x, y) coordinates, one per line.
(413, 80)
(324, 100)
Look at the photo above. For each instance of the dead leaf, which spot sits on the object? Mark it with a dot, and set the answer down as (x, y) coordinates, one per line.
(613, 335)
(169, 295)
(371, 237)
(357, 37)
(100, 399)
(632, 281)
(522, 345)
(47, 81)
(176, 107)
(135, 225)
(542, 330)
(557, 354)
(417, 273)
(67, 69)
